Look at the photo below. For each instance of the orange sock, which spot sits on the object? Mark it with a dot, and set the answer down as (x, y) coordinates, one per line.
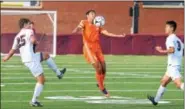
(100, 81)
(104, 77)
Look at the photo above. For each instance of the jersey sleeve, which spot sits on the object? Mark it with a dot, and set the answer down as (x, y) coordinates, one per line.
(170, 42)
(15, 43)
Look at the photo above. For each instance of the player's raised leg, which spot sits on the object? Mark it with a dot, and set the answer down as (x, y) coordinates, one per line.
(51, 64)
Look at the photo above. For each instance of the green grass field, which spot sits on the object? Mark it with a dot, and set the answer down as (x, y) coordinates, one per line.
(129, 80)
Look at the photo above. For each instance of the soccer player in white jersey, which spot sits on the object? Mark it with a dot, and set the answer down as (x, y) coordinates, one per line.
(174, 49)
(24, 41)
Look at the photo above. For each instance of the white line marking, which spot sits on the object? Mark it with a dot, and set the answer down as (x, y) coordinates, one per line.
(119, 68)
(48, 91)
(119, 62)
(82, 83)
(2, 85)
(27, 101)
(80, 77)
(87, 72)
(136, 101)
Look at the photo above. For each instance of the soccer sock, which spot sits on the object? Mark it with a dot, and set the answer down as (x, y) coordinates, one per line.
(102, 79)
(37, 91)
(99, 80)
(160, 93)
(52, 65)
(182, 86)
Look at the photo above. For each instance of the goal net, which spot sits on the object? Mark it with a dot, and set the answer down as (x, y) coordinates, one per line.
(45, 22)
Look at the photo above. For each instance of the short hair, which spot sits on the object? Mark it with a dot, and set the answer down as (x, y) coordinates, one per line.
(89, 11)
(172, 24)
(23, 21)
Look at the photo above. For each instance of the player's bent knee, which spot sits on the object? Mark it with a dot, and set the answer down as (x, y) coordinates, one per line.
(164, 83)
(46, 56)
(178, 84)
(41, 79)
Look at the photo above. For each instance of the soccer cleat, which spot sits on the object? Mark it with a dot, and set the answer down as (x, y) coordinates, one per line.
(152, 100)
(62, 73)
(36, 104)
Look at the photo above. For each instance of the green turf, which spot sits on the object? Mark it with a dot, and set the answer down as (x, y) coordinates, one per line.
(129, 77)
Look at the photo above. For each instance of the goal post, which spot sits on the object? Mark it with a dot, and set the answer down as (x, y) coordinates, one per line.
(46, 22)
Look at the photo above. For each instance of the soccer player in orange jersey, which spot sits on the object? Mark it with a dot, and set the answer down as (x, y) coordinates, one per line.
(92, 49)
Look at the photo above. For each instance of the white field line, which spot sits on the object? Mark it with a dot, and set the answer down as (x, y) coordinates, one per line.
(81, 83)
(50, 91)
(27, 101)
(83, 73)
(108, 62)
(2, 85)
(118, 64)
(118, 68)
(84, 77)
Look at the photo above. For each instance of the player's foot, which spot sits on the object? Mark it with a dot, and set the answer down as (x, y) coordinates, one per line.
(62, 72)
(152, 100)
(105, 92)
(36, 104)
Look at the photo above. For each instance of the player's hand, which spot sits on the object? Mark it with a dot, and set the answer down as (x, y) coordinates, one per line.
(5, 58)
(158, 48)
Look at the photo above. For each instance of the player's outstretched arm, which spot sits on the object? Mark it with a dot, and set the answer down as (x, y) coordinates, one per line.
(78, 28)
(168, 51)
(10, 54)
(106, 33)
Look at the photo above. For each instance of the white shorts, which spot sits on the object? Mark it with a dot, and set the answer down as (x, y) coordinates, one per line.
(173, 71)
(35, 67)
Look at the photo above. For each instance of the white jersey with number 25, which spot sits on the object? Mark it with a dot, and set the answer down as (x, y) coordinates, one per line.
(23, 43)
(176, 57)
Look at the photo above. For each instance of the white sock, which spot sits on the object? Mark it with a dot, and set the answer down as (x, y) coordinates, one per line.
(37, 91)
(182, 86)
(160, 93)
(52, 65)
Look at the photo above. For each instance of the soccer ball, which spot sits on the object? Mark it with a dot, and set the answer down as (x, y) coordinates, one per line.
(99, 21)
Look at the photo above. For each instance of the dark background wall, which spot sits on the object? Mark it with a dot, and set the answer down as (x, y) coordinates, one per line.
(116, 14)
(72, 44)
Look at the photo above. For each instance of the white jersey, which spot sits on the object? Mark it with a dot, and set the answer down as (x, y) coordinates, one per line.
(176, 57)
(23, 43)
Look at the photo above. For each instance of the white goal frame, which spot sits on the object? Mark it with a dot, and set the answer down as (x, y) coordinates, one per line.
(35, 12)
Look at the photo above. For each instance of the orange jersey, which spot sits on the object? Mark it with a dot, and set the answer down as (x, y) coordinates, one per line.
(91, 34)
(92, 50)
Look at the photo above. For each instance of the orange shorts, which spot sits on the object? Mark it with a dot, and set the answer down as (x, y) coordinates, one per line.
(93, 55)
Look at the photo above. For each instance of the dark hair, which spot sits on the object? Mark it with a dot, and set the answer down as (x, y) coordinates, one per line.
(172, 24)
(23, 21)
(89, 11)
